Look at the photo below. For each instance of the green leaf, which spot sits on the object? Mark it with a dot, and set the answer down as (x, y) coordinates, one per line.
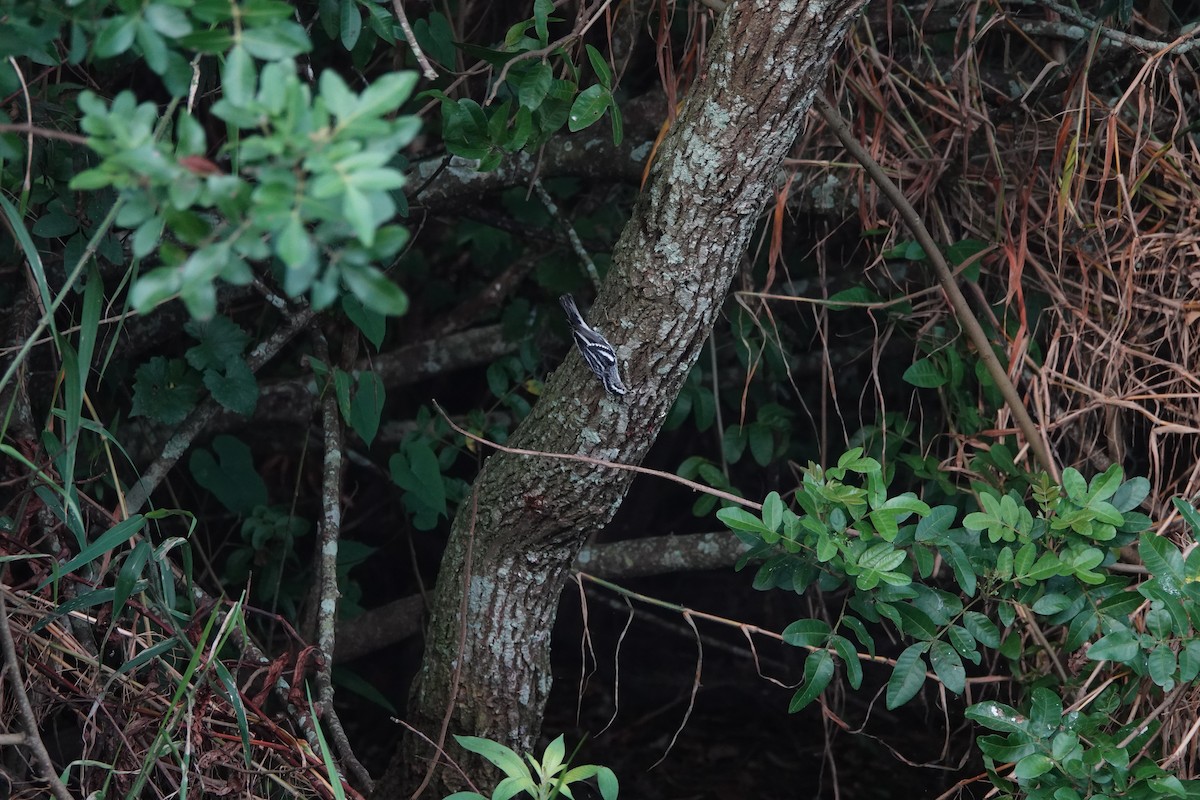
(231, 476)
(374, 290)
(1120, 645)
(739, 519)
(1164, 561)
(733, 443)
(129, 575)
(1032, 766)
(762, 443)
(773, 511)
(165, 390)
(372, 324)
(235, 388)
(849, 656)
(367, 406)
(998, 717)
(293, 244)
(114, 537)
(1046, 710)
(925, 374)
(509, 762)
(908, 676)
(916, 622)
(350, 24)
(588, 107)
(532, 85)
(1161, 665)
(416, 470)
(238, 77)
(606, 779)
(221, 341)
(385, 94)
(1052, 603)
(282, 39)
(807, 633)
(935, 523)
(818, 670)
(167, 20)
(55, 224)
(948, 666)
(600, 65)
(155, 287)
(963, 642)
(114, 36)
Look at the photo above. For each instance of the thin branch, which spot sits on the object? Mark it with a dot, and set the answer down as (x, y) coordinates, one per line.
(1185, 43)
(328, 534)
(962, 310)
(426, 68)
(741, 501)
(576, 243)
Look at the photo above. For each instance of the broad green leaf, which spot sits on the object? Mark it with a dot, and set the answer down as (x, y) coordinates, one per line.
(588, 107)
(935, 523)
(925, 374)
(282, 39)
(908, 676)
(1046, 710)
(606, 779)
(1032, 766)
(916, 622)
(849, 656)
(1164, 561)
(164, 390)
(532, 85)
(114, 36)
(1052, 603)
(238, 77)
(600, 65)
(762, 443)
(1121, 645)
(293, 244)
(509, 762)
(963, 642)
(167, 20)
(231, 475)
(807, 633)
(773, 511)
(998, 717)
(372, 324)
(385, 94)
(374, 290)
(1161, 664)
(221, 341)
(349, 24)
(739, 519)
(948, 666)
(818, 670)
(234, 388)
(367, 406)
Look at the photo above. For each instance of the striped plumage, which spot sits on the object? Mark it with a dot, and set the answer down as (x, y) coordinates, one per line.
(595, 349)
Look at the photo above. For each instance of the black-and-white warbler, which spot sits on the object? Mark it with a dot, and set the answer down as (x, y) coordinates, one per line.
(596, 350)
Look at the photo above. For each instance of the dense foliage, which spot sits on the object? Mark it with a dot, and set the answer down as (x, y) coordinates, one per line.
(249, 242)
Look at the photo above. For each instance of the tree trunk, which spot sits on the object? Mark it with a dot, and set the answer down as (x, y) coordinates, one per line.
(487, 658)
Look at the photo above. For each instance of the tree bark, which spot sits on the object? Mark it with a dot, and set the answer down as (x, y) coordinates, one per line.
(487, 661)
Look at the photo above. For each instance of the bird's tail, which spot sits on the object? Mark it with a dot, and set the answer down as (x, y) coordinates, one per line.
(568, 304)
